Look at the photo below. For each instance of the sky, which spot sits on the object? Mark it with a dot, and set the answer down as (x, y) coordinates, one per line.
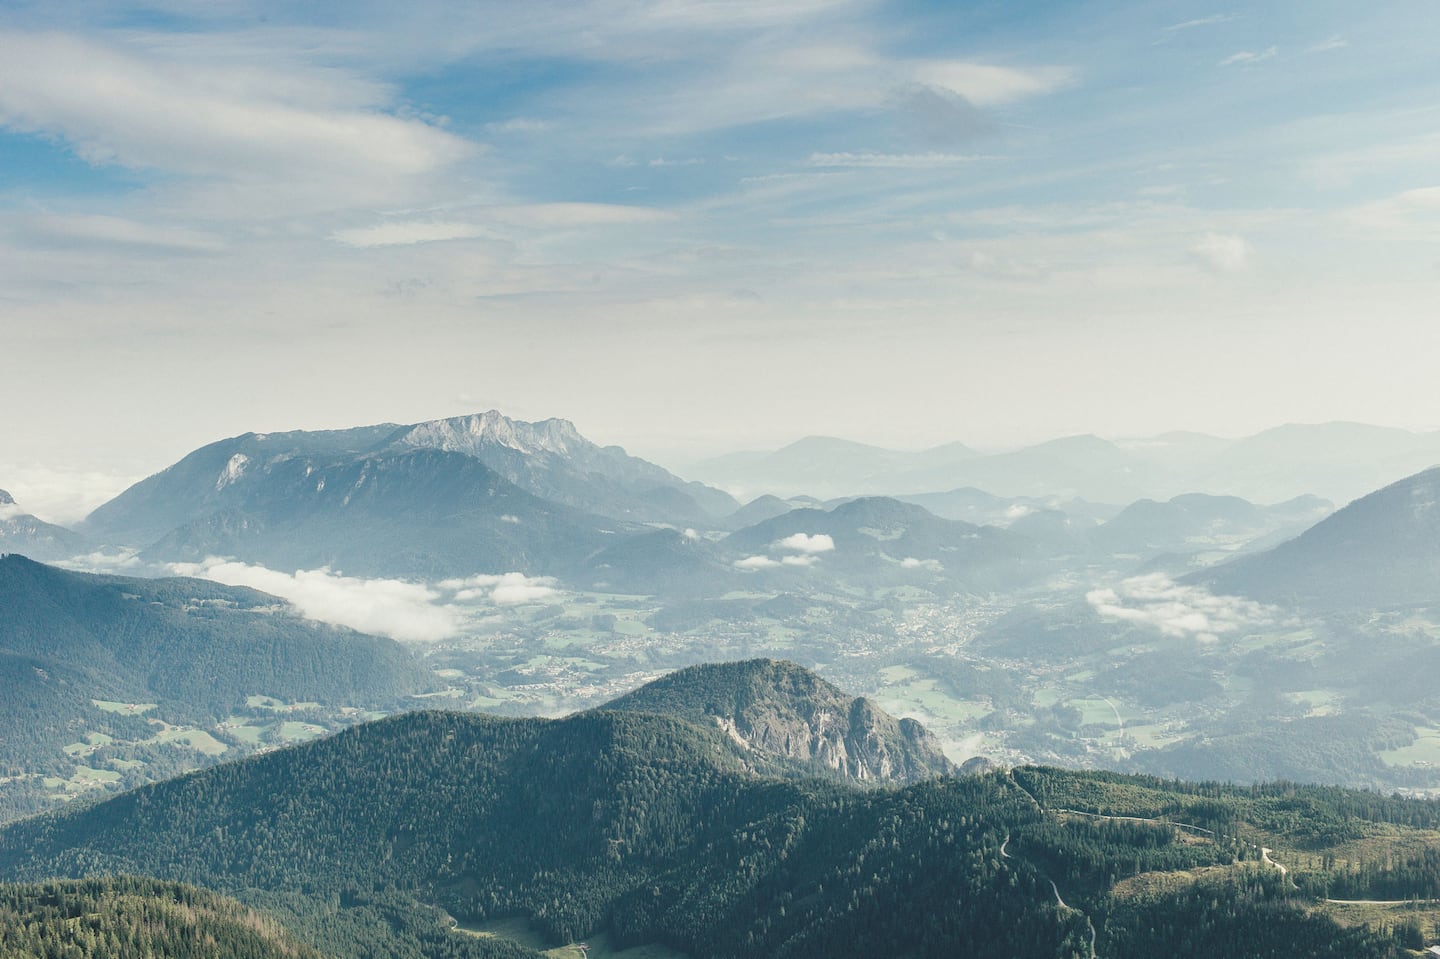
(695, 226)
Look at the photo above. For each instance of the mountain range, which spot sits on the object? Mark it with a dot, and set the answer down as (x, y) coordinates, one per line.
(472, 494)
(1336, 461)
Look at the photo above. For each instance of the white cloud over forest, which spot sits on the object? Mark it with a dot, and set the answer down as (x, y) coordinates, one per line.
(1157, 602)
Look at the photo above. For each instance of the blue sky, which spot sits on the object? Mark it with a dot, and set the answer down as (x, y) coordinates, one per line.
(692, 226)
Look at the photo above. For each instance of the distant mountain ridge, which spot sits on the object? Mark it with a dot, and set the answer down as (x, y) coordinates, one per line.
(781, 709)
(1336, 461)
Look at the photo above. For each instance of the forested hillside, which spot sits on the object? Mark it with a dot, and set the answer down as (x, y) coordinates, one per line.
(656, 830)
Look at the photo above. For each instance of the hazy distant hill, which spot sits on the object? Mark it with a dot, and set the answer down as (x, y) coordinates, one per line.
(780, 709)
(1336, 461)
(656, 830)
(1381, 550)
(22, 533)
(826, 467)
(1339, 461)
(882, 540)
(1197, 521)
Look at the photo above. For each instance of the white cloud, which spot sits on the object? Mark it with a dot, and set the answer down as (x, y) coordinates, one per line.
(806, 543)
(987, 85)
(101, 561)
(1249, 57)
(386, 607)
(1222, 253)
(910, 562)
(800, 560)
(1201, 22)
(755, 562)
(1325, 46)
(502, 589)
(1157, 602)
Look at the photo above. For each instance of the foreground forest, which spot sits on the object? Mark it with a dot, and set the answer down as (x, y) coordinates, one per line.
(657, 830)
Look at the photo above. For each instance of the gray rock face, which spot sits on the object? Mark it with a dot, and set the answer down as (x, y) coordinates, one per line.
(783, 710)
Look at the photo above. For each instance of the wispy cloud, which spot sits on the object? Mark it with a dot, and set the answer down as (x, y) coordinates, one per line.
(1222, 253)
(1250, 57)
(1325, 46)
(1159, 603)
(409, 233)
(756, 562)
(1209, 21)
(147, 108)
(892, 161)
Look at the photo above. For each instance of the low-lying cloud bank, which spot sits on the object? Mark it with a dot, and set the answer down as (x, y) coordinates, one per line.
(385, 607)
(1158, 602)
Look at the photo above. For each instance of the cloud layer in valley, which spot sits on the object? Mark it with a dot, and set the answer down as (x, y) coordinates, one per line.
(1157, 602)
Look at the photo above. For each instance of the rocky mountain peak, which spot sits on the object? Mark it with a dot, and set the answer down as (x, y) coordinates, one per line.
(471, 434)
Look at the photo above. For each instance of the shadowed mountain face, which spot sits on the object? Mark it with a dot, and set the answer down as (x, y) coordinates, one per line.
(1381, 550)
(22, 533)
(780, 709)
(470, 494)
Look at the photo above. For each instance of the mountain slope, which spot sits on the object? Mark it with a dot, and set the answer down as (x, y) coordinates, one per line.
(1381, 550)
(450, 473)
(552, 460)
(780, 709)
(420, 513)
(192, 651)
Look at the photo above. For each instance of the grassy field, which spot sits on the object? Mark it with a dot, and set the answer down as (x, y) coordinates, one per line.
(600, 947)
(1424, 751)
(124, 709)
(196, 739)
